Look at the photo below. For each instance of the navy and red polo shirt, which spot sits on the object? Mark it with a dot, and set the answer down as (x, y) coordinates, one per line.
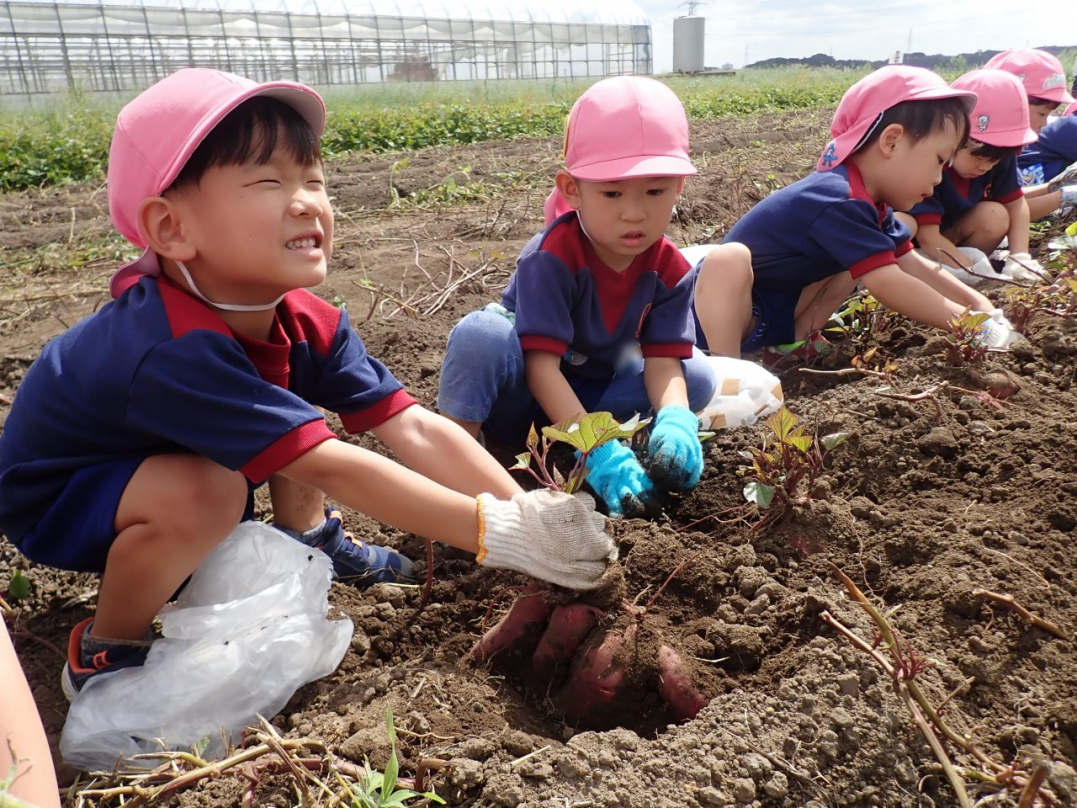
(819, 226)
(157, 371)
(1055, 149)
(956, 195)
(568, 302)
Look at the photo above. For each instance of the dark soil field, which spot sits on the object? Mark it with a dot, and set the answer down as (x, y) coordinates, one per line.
(929, 501)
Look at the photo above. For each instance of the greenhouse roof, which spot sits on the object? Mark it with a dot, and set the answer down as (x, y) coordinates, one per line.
(601, 12)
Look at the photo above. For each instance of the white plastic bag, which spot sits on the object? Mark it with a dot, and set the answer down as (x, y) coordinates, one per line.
(744, 393)
(247, 631)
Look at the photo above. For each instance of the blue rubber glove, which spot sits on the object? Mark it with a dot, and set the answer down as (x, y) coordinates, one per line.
(618, 478)
(676, 453)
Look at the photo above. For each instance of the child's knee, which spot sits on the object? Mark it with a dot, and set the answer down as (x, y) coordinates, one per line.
(726, 269)
(994, 219)
(482, 331)
(699, 380)
(189, 495)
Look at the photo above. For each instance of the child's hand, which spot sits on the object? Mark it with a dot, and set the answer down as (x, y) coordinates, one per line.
(551, 535)
(676, 453)
(997, 332)
(1023, 267)
(1067, 177)
(616, 475)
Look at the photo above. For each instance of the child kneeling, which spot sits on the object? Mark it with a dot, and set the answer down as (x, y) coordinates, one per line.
(812, 242)
(136, 438)
(596, 316)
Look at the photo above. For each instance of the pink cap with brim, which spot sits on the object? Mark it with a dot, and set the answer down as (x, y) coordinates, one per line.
(157, 133)
(625, 127)
(1000, 117)
(1041, 72)
(863, 105)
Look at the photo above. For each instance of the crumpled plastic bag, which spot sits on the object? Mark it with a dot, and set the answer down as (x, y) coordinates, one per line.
(248, 630)
(744, 393)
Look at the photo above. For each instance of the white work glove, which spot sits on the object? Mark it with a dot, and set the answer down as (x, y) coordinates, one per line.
(979, 271)
(1023, 267)
(551, 535)
(1067, 177)
(997, 332)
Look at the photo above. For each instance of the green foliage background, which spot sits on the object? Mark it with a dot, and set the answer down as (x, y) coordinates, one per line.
(66, 139)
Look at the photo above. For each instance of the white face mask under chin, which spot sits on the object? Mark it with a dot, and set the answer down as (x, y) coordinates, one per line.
(225, 306)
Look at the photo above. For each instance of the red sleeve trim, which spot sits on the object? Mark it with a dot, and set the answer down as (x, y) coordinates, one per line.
(903, 248)
(377, 414)
(675, 350)
(1012, 196)
(538, 342)
(928, 218)
(861, 268)
(288, 447)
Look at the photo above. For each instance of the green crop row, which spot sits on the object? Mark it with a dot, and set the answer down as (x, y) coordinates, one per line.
(69, 142)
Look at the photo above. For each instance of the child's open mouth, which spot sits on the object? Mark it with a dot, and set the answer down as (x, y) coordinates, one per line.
(633, 239)
(304, 243)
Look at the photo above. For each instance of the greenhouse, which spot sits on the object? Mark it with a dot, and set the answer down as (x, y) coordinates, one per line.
(121, 45)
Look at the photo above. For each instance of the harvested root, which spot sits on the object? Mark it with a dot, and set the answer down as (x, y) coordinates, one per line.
(676, 686)
(527, 616)
(569, 626)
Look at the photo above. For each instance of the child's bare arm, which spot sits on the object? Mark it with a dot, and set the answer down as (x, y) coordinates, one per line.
(1017, 235)
(908, 292)
(664, 380)
(389, 492)
(550, 387)
(442, 451)
(940, 248)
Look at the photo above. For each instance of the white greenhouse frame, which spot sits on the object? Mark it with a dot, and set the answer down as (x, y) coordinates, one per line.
(122, 45)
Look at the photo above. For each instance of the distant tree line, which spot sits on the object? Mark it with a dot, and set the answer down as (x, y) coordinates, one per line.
(934, 61)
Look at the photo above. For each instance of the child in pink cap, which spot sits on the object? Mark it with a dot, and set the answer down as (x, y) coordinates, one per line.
(596, 316)
(135, 440)
(979, 201)
(1048, 175)
(814, 241)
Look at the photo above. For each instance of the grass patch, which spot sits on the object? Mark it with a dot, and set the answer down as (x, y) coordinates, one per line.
(67, 140)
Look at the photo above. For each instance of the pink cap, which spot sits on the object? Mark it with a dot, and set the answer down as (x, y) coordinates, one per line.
(1041, 73)
(1000, 117)
(863, 105)
(157, 133)
(627, 126)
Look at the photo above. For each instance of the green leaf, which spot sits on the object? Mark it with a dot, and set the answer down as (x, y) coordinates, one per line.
(19, 586)
(801, 442)
(782, 423)
(523, 462)
(532, 438)
(202, 745)
(762, 495)
(1072, 230)
(834, 439)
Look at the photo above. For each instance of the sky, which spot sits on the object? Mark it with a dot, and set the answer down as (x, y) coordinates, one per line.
(860, 29)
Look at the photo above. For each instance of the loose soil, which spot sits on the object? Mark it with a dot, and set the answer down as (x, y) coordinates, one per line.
(919, 507)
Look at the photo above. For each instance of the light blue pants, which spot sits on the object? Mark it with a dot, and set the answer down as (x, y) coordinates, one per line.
(483, 381)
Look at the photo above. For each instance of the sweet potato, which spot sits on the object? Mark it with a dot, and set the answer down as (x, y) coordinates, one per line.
(598, 674)
(568, 628)
(676, 686)
(999, 384)
(527, 615)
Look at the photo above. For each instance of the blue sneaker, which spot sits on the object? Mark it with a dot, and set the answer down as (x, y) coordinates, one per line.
(357, 562)
(89, 656)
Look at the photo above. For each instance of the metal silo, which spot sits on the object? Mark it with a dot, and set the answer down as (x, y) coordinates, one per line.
(688, 40)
